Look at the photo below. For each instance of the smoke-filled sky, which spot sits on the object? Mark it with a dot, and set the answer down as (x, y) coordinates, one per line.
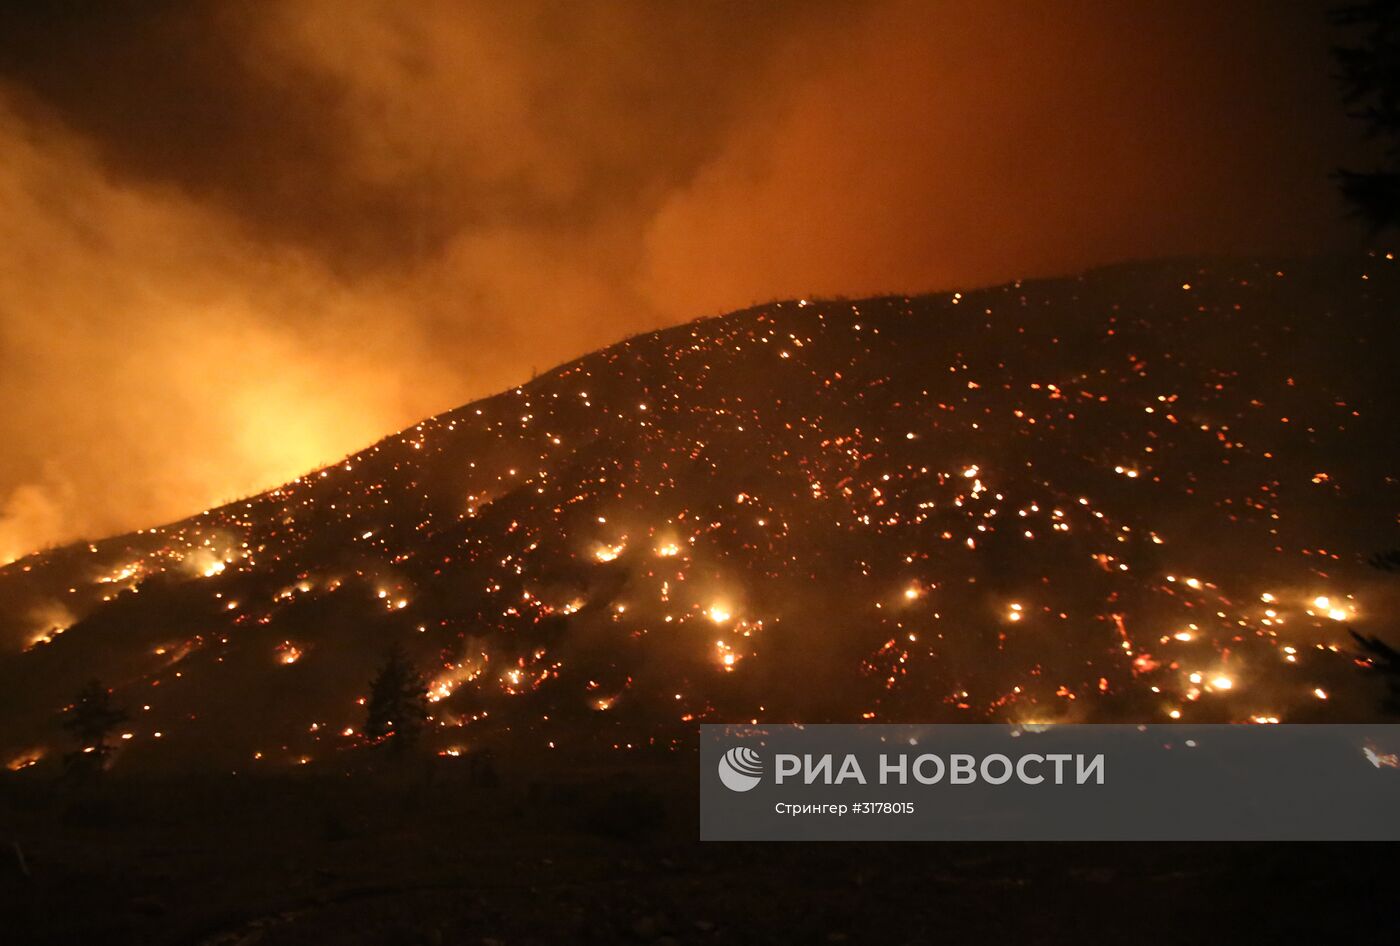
(238, 240)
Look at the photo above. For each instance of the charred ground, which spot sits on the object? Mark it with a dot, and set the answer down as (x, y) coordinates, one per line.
(1145, 491)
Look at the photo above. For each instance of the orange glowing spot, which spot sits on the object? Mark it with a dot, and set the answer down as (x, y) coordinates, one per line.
(608, 553)
(25, 759)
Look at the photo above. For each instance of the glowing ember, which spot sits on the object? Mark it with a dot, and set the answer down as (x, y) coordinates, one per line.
(25, 759)
(727, 657)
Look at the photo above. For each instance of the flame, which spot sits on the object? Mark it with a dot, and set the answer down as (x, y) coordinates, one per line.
(26, 758)
(608, 553)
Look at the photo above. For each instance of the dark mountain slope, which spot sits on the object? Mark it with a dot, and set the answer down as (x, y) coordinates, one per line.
(1118, 496)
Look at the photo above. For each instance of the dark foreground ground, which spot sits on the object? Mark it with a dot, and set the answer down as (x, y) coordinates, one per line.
(321, 857)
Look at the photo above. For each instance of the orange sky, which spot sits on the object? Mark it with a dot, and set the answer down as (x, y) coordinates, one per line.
(236, 241)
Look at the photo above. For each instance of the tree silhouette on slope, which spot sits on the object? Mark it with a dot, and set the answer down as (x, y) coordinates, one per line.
(397, 709)
(1382, 656)
(1369, 72)
(91, 720)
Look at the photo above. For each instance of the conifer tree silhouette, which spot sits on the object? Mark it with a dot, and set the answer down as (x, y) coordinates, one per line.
(397, 709)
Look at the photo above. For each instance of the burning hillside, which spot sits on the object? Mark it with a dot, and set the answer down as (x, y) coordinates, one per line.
(1145, 493)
